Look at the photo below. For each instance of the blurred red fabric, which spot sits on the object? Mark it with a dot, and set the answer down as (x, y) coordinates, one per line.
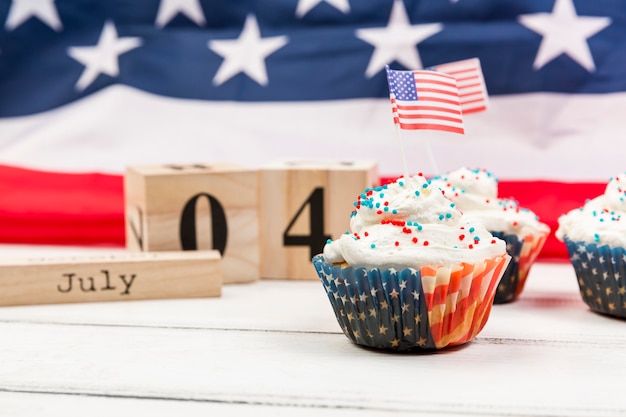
(41, 207)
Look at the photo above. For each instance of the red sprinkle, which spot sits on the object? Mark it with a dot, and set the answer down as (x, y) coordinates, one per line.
(397, 243)
(461, 237)
(425, 243)
(414, 240)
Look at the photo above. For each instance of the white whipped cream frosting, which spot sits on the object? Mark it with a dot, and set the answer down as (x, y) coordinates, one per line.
(409, 224)
(601, 220)
(475, 192)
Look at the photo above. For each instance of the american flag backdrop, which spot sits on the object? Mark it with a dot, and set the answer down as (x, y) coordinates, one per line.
(89, 87)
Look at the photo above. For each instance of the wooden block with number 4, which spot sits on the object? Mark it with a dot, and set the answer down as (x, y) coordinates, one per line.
(189, 207)
(303, 204)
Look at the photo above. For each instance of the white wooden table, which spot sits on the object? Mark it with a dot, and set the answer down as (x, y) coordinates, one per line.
(275, 348)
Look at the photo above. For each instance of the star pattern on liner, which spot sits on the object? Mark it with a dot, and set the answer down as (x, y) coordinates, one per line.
(397, 41)
(246, 54)
(169, 9)
(22, 10)
(103, 57)
(305, 6)
(389, 318)
(564, 32)
(594, 269)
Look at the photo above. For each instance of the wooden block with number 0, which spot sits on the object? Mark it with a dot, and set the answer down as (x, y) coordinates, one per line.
(202, 206)
(303, 204)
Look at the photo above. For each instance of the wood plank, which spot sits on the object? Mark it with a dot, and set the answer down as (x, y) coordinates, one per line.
(117, 277)
(315, 370)
(95, 405)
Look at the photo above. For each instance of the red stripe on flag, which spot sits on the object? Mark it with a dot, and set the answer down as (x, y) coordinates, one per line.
(426, 116)
(468, 86)
(447, 82)
(431, 126)
(423, 107)
(437, 91)
(474, 109)
(41, 207)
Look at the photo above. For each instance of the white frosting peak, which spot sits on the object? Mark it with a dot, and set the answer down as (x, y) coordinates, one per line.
(408, 224)
(601, 220)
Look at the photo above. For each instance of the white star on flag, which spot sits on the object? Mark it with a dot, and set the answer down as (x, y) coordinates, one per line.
(564, 32)
(246, 54)
(22, 10)
(397, 41)
(102, 58)
(168, 9)
(305, 6)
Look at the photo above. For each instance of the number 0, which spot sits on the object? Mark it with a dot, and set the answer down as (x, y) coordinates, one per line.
(188, 239)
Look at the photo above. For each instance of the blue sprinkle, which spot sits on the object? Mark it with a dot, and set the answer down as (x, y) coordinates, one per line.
(417, 193)
(373, 245)
(448, 215)
(425, 186)
(386, 208)
(471, 230)
(394, 211)
(596, 237)
(329, 241)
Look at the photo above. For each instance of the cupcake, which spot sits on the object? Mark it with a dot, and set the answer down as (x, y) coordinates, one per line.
(475, 193)
(411, 274)
(595, 236)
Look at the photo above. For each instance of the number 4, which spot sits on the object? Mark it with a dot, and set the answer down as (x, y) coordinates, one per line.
(316, 238)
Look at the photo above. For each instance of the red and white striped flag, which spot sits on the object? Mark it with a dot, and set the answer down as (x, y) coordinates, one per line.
(472, 88)
(425, 100)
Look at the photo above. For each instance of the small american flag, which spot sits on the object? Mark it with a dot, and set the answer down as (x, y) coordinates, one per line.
(472, 88)
(425, 100)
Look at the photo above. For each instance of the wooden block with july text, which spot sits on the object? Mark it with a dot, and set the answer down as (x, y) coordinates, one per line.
(191, 207)
(117, 277)
(303, 204)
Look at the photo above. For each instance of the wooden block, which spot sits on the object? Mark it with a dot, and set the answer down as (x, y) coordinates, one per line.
(119, 277)
(189, 207)
(302, 205)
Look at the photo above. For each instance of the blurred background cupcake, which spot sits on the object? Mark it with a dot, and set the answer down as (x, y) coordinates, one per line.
(475, 193)
(411, 274)
(595, 235)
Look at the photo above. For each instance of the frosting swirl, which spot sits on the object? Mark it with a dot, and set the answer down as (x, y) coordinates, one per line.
(408, 224)
(601, 220)
(475, 191)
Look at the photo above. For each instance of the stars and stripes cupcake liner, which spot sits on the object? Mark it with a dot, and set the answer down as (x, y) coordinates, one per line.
(411, 310)
(523, 252)
(601, 275)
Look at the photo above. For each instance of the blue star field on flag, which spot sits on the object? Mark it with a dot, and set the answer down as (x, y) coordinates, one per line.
(56, 52)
